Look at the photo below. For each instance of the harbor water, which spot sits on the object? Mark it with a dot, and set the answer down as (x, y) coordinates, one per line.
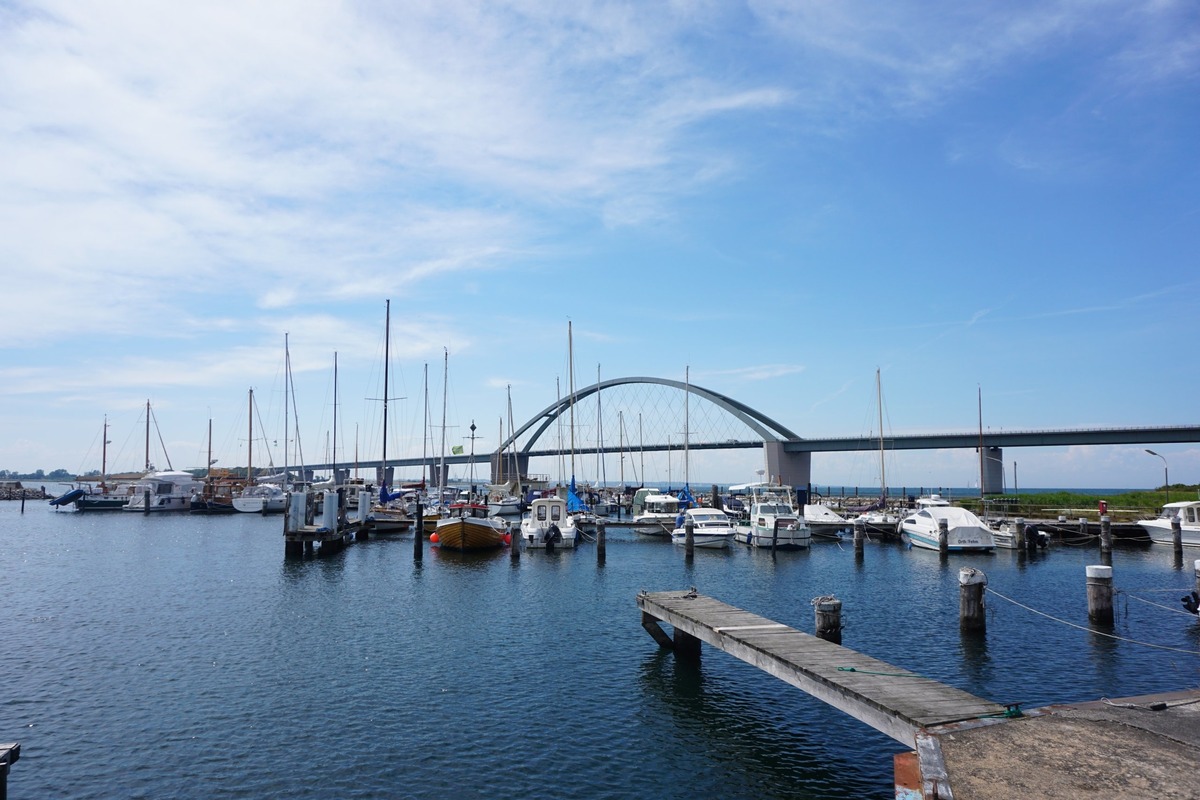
(183, 656)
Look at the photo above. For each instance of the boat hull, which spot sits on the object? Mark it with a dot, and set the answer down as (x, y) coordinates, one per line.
(1159, 532)
(958, 540)
(788, 539)
(709, 541)
(469, 534)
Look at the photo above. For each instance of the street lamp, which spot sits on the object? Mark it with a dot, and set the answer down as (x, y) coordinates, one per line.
(1166, 481)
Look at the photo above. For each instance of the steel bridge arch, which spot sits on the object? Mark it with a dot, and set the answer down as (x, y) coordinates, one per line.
(764, 426)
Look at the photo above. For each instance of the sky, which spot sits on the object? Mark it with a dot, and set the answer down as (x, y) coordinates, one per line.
(995, 205)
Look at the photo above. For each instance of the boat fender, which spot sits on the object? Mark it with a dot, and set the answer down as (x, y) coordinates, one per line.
(1191, 602)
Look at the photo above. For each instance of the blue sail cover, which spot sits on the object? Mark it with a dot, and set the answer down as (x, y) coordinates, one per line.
(686, 500)
(574, 504)
(386, 497)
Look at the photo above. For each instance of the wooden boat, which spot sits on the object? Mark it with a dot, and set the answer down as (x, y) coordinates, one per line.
(467, 526)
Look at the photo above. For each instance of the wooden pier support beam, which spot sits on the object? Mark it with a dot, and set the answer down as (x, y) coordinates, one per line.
(650, 623)
(1099, 594)
(687, 647)
(972, 616)
(827, 611)
(600, 545)
(9, 753)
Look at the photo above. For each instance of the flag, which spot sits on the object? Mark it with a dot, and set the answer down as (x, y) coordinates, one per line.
(456, 450)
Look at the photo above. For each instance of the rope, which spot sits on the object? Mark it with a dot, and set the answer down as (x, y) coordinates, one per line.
(886, 674)
(1158, 605)
(1089, 630)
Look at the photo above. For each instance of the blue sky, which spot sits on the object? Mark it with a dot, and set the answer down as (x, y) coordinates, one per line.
(776, 198)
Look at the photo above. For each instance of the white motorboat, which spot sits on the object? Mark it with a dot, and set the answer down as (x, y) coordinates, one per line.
(824, 521)
(772, 506)
(262, 498)
(1004, 534)
(548, 525)
(964, 530)
(658, 514)
(711, 528)
(1187, 512)
(169, 490)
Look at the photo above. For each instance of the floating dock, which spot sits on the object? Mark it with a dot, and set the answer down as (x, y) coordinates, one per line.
(1138, 747)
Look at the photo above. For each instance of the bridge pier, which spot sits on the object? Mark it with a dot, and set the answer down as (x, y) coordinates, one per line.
(787, 468)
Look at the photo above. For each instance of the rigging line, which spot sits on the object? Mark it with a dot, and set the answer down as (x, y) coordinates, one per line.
(990, 590)
(1159, 605)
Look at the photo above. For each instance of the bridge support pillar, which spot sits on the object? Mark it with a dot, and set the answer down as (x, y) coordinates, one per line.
(788, 469)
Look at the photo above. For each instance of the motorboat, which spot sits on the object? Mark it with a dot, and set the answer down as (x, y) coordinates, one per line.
(711, 528)
(1186, 512)
(658, 514)
(548, 525)
(964, 531)
(1004, 534)
(467, 526)
(824, 522)
(168, 490)
(773, 520)
(261, 498)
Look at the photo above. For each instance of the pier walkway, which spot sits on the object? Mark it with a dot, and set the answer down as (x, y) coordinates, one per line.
(961, 745)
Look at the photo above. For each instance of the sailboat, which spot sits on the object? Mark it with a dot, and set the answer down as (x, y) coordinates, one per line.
(101, 497)
(385, 517)
(878, 516)
(217, 495)
(162, 490)
(258, 498)
(467, 524)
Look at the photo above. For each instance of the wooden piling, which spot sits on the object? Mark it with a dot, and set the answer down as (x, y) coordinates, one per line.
(419, 533)
(1177, 539)
(827, 611)
(1023, 543)
(600, 555)
(1106, 540)
(1083, 527)
(1099, 594)
(971, 609)
(943, 537)
(146, 502)
(689, 538)
(774, 535)
(9, 753)
(860, 535)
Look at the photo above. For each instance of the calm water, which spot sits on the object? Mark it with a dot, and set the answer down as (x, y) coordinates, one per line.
(182, 656)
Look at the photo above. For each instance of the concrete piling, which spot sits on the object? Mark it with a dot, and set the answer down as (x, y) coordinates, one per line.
(1099, 594)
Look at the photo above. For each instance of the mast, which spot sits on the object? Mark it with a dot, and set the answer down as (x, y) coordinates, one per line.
(333, 459)
(287, 376)
(147, 435)
(599, 432)
(516, 464)
(104, 459)
(387, 344)
(979, 390)
(249, 439)
(425, 428)
(879, 402)
(686, 404)
(571, 393)
(621, 439)
(500, 448)
(641, 449)
(445, 384)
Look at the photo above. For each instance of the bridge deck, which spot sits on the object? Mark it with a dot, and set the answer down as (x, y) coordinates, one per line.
(894, 701)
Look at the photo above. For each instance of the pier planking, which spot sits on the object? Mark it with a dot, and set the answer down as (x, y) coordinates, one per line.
(892, 700)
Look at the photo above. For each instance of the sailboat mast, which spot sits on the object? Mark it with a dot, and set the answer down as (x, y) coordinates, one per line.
(333, 459)
(571, 390)
(445, 384)
(621, 438)
(147, 435)
(979, 390)
(879, 402)
(425, 428)
(687, 394)
(387, 342)
(287, 377)
(249, 438)
(599, 431)
(104, 459)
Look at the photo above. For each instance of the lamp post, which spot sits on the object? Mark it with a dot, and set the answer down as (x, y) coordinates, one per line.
(1166, 481)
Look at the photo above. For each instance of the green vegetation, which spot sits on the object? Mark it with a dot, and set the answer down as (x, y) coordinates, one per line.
(1123, 507)
(37, 475)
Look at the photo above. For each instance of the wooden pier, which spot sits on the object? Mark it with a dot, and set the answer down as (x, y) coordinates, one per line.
(1135, 747)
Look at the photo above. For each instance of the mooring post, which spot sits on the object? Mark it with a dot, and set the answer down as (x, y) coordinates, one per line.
(514, 541)
(716, 498)
(1177, 539)
(419, 534)
(600, 541)
(943, 537)
(774, 535)
(1099, 594)
(1106, 540)
(1021, 543)
(860, 534)
(1196, 568)
(146, 502)
(828, 614)
(971, 617)
(689, 537)
(1083, 527)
